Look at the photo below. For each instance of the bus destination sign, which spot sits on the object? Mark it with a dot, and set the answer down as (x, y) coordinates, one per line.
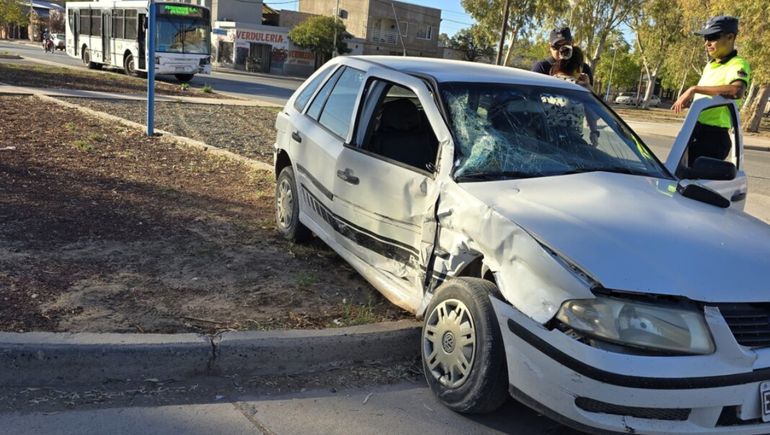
(181, 11)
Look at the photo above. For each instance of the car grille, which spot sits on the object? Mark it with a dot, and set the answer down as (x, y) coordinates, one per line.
(671, 414)
(750, 323)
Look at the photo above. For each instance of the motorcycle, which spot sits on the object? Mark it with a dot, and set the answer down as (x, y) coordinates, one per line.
(48, 45)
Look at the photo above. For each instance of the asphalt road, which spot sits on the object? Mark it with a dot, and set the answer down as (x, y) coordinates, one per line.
(274, 89)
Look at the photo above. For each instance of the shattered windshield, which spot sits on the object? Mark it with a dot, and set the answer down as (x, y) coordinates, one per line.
(515, 131)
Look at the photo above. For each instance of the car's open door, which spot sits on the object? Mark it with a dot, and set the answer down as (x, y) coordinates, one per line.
(736, 189)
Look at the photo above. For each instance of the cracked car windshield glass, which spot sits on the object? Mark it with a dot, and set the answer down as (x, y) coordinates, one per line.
(514, 131)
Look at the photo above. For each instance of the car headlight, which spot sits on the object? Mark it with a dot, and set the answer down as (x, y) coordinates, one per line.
(642, 325)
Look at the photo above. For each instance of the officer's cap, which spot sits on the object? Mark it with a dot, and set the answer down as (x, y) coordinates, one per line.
(719, 24)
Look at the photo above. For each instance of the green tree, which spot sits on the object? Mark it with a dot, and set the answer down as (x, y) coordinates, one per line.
(593, 21)
(474, 42)
(12, 13)
(658, 26)
(524, 16)
(621, 69)
(318, 35)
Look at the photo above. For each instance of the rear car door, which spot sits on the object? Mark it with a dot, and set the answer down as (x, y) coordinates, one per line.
(386, 188)
(315, 143)
(736, 189)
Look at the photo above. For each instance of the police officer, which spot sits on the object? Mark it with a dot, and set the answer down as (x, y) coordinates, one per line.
(726, 74)
(561, 43)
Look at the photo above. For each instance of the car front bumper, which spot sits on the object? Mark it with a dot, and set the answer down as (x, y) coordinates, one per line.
(599, 391)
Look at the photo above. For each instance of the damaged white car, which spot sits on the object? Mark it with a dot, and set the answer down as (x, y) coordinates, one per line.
(551, 255)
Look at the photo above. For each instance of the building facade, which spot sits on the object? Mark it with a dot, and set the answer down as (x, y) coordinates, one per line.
(384, 27)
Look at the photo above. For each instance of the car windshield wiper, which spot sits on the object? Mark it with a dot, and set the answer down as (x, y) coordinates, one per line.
(491, 176)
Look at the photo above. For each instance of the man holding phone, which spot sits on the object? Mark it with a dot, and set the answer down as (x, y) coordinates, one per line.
(561, 44)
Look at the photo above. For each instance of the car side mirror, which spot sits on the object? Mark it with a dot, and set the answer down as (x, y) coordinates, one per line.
(708, 168)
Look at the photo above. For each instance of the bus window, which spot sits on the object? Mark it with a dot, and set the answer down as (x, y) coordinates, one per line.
(117, 23)
(131, 25)
(85, 21)
(96, 23)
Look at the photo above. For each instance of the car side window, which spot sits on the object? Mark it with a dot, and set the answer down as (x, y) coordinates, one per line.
(399, 129)
(338, 110)
(304, 97)
(320, 99)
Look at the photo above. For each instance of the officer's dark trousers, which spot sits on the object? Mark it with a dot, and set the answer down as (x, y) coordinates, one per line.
(708, 141)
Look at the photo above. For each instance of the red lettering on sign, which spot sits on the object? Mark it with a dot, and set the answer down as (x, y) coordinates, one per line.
(260, 37)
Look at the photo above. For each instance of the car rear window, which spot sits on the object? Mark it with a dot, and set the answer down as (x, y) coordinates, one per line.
(309, 90)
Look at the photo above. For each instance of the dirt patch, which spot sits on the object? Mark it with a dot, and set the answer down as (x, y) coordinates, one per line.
(245, 130)
(107, 230)
(43, 76)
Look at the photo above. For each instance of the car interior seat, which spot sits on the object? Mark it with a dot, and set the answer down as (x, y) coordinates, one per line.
(403, 135)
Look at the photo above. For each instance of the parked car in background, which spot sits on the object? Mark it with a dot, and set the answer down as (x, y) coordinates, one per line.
(550, 258)
(654, 101)
(59, 41)
(626, 98)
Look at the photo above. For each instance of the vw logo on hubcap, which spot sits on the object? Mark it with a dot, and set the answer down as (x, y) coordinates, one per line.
(448, 342)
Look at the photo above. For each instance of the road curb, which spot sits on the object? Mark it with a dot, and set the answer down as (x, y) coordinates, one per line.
(757, 148)
(49, 359)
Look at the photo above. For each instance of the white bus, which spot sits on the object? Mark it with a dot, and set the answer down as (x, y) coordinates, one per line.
(113, 33)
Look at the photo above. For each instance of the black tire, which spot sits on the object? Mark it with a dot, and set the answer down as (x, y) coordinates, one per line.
(484, 386)
(184, 78)
(129, 67)
(287, 208)
(87, 61)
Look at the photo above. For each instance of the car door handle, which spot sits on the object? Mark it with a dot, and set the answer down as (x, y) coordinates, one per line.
(347, 175)
(295, 135)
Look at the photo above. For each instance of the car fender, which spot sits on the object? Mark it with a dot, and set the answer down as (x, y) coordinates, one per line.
(529, 275)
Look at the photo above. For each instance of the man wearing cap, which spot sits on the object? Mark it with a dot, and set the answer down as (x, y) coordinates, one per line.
(561, 48)
(726, 74)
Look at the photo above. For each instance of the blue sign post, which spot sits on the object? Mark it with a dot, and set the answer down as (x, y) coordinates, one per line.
(150, 62)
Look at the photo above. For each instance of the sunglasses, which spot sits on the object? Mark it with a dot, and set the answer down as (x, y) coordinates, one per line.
(711, 38)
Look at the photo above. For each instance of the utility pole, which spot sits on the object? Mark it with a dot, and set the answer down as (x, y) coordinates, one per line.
(398, 28)
(503, 32)
(612, 68)
(150, 63)
(336, 14)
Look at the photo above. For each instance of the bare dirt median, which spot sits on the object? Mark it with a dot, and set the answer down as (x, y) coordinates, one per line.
(105, 230)
(24, 73)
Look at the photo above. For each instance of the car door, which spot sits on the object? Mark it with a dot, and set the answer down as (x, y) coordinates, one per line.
(316, 139)
(386, 184)
(736, 189)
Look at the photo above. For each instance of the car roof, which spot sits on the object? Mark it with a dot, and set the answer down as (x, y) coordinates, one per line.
(446, 70)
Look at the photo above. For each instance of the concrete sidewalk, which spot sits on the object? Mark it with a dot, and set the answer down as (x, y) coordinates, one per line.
(671, 129)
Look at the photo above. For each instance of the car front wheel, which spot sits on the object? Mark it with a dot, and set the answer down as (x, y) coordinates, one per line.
(287, 208)
(462, 349)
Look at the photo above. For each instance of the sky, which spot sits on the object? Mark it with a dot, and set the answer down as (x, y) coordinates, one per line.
(453, 16)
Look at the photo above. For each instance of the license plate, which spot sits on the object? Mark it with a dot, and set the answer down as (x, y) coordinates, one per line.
(764, 400)
(180, 68)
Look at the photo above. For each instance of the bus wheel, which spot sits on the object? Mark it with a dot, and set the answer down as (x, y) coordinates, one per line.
(128, 65)
(184, 78)
(87, 61)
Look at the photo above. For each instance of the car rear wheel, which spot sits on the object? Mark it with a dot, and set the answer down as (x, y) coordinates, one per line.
(287, 208)
(462, 350)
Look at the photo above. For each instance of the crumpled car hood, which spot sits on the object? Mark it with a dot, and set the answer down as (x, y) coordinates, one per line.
(634, 233)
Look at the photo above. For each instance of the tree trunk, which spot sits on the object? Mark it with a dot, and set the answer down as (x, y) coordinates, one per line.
(757, 109)
(748, 100)
(651, 77)
(514, 38)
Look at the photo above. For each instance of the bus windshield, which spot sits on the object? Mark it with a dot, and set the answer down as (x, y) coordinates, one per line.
(178, 34)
